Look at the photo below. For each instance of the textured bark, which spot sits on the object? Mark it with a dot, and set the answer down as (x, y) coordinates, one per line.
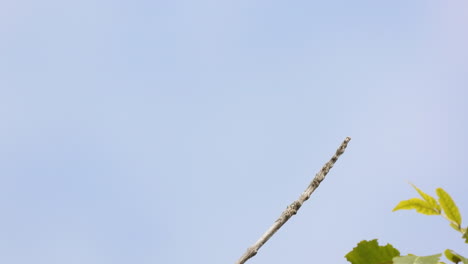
(294, 207)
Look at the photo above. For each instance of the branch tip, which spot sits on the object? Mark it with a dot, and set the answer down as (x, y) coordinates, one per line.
(295, 206)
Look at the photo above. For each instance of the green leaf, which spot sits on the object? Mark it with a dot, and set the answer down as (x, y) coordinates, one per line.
(411, 259)
(449, 206)
(452, 256)
(429, 199)
(419, 205)
(369, 252)
(455, 257)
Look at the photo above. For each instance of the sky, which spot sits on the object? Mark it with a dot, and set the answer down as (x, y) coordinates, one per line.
(178, 131)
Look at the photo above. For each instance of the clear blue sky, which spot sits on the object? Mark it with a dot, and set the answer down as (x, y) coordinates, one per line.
(178, 131)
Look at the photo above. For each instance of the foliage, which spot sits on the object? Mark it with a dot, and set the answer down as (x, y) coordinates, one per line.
(412, 259)
(369, 252)
(454, 257)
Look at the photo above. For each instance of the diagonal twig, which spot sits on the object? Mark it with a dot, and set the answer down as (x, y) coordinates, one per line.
(294, 207)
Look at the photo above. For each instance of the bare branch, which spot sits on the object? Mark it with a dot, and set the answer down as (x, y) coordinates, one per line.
(294, 207)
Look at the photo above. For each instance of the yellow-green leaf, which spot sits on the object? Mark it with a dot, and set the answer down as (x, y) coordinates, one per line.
(449, 206)
(419, 205)
(429, 199)
(455, 257)
(452, 256)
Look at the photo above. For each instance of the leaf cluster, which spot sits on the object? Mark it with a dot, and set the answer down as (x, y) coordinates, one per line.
(428, 205)
(369, 252)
